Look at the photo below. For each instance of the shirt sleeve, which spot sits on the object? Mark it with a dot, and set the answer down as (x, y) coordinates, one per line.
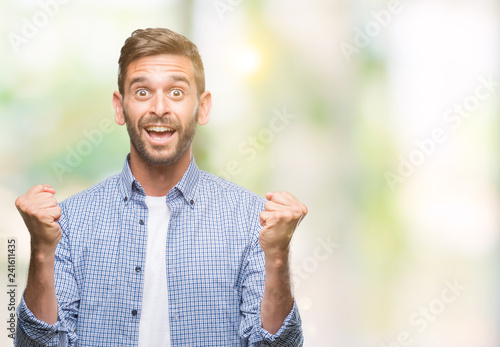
(251, 331)
(34, 332)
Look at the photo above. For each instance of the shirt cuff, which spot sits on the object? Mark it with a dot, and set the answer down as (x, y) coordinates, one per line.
(35, 329)
(290, 331)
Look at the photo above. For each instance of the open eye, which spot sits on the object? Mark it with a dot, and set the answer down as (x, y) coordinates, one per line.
(142, 93)
(176, 93)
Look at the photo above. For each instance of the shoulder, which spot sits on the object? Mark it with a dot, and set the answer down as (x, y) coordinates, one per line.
(98, 194)
(212, 184)
(236, 203)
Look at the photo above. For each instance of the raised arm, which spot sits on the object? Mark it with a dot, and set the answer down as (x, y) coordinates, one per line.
(40, 213)
(283, 212)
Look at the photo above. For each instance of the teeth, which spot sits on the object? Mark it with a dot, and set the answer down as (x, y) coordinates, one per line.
(158, 129)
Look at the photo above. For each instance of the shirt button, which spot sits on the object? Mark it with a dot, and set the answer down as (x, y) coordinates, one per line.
(125, 199)
(191, 202)
(141, 222)
(137, 269)
(134, 313)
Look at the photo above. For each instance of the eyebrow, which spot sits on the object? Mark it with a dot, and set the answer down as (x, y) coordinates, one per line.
(175, 78)
(137, 80)
(178, 78)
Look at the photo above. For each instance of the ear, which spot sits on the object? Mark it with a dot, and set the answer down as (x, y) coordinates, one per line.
(118, 106)
(205, 106)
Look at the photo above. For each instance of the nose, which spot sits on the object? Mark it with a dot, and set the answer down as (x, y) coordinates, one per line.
(159, 106)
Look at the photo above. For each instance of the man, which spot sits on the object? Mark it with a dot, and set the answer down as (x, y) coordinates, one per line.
(163, 254)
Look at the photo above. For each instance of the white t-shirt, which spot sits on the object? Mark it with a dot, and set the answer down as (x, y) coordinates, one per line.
(154, 326)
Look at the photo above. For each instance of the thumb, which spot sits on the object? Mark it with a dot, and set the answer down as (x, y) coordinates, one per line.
(48, 188)
(264, 217)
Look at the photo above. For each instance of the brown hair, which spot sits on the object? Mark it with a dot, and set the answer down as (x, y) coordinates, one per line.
(148, 42)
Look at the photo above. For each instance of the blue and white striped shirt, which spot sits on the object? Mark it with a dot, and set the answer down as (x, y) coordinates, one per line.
(215, 268)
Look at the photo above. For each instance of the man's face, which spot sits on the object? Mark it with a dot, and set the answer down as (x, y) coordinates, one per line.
(160, 106)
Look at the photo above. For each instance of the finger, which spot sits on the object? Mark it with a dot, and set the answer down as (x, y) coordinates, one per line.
(294, 200)
(47, 203)
(49, 215)
(304, 208)
(29, 204)
(42, 199)
(40, 188)
(34, 190)
(49, 189)
(55, 212)
(272, 206)
(264, 217)
(284, 205)
(282, 199)
(289, 196)
(262, 220)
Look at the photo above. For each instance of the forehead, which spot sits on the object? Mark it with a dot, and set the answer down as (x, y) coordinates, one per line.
(161, 65)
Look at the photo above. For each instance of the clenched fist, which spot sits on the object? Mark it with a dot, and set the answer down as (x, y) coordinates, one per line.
(40, 213)
(283, 212)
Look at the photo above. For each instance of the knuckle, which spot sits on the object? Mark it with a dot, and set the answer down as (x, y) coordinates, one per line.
(35, 189)
(304, 209)
(29, 210)
(287, 215)
(19, 201)
(37, 214)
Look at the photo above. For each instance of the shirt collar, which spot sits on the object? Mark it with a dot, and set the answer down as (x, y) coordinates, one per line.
(188, 183)
(186, 186)
(127, 179)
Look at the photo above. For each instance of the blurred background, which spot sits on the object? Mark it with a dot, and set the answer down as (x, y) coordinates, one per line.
(381, 116)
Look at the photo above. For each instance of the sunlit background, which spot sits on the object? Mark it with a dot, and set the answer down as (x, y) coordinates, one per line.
(382, 116)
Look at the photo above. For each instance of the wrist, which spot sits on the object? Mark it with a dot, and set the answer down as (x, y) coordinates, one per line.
(277, 258)
(42, 254)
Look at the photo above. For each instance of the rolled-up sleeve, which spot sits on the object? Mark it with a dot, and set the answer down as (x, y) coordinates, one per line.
(34, 332)
(290, 333)
(251, 331)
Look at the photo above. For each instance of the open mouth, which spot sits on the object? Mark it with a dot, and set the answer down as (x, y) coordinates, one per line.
(159, 135)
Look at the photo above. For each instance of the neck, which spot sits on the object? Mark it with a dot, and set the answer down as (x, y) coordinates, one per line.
(157, 180)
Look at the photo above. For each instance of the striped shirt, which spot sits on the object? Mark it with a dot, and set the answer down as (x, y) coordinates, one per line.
(214, 265)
